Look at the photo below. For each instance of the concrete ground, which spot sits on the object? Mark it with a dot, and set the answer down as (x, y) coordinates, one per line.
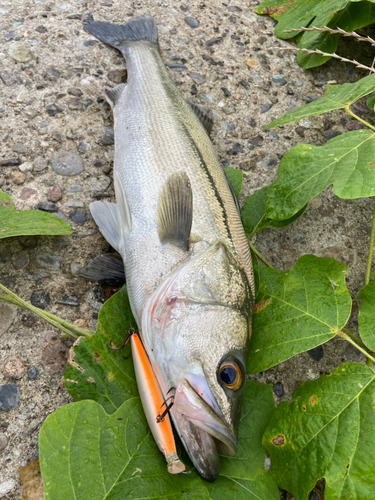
(51, 101)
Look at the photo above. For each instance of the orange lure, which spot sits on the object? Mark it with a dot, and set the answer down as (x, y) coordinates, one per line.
(152, 402)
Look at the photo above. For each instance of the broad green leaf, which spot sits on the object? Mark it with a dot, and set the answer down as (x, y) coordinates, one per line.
(346, 14)
(297, 310)
(366, 316)
(254, 218)
(28, 222)
(347, 162)
(96, 372)
(370, 102)
(235, 177)
(327, 431)
(88, 454)
(336, 97)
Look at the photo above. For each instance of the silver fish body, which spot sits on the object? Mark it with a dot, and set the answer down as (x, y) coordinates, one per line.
(192, 302)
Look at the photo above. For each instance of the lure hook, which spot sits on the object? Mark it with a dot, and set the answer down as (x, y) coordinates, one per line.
(129, 333)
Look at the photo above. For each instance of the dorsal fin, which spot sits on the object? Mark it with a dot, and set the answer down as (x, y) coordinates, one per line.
(204, 115)
(175, 211)
(112, 94)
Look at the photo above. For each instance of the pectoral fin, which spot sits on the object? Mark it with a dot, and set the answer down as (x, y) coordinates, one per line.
(106, 269)
(105, 216)
(175, 211)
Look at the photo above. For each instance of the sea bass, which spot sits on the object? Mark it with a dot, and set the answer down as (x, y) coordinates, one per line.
(187, 261)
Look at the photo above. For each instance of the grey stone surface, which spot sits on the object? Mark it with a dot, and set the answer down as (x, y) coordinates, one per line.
(330, 227)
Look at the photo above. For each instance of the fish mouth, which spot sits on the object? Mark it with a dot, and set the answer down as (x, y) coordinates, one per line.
(202, 430)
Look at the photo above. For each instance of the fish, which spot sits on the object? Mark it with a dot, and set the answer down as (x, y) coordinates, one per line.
(187, 261)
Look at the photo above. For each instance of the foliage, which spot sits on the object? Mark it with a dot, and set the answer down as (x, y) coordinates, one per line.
(345, 14)
(235, 177)
(326, 431)
(27, 222)
(297, 310)
(110, 452)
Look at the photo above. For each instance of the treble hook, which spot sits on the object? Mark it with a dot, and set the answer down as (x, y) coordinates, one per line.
(160, 416)
(129, 333)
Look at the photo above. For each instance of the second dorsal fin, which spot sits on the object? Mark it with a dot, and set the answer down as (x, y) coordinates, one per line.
(204, 115)
(175, 211)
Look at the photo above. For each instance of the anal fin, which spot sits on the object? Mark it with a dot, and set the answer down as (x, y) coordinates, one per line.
(175, 211)
(112, 94)
(106, 269)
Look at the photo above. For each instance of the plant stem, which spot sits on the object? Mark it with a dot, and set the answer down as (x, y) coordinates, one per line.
(65, 326)
(260, 255)
(353, 337)
(370, 250)
(348, 110)
(349, 339)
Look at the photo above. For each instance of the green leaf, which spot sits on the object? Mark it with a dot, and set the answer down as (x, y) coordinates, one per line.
(87, 454)
(346, 161)
(235, 177)
(346, 14)
(96, 372)
(27, 222)
(297, 310)
(326, 431)
(336, 97)
(366, 316)
(254, 217)
(370, 103)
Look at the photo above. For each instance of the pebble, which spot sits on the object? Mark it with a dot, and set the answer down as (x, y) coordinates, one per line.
(256, 141)
(76, 266)
(300, 131)
(214, 41)
(272, 134)
(278, 80)
(28, 241)
(236, 148)
(19, 147)
(9, 397)
(61, 216)
(197, 78)
(75, 204)
(192, 22)
(3, 442)
(40, 298)
(10, 162)
(268, 163)
(82, 147)
(80, 323)
(278, 389)
(173, 66)
(28, 193)
(266, 107)
(54, 354)
(67, 164)
(39, 164)
(228, 110)
(53, 110)
(13, 368)
(47, 260)
(38, 274)
(18, 177)
(46, 207)
(7, 315)
(20, 53)
(25, 167)
(32, 373)
(107, 140)
(78, 216)
(305, 123)
(10, 78)
(74, 188)
(229, 127)
(316, 353)
(7, 486)
(68, 300)
(99, 183)
(20, 261)
(330, 134)
(173, 56)
(55, 194)
(95, 297)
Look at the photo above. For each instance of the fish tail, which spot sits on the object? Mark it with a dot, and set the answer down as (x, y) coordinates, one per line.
(139, 29)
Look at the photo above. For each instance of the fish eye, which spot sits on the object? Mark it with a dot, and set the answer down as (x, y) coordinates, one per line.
(230, 374)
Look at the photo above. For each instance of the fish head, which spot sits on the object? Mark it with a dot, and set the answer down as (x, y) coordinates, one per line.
(197, 333)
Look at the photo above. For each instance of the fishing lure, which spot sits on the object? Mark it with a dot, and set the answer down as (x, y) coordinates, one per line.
(152, 402)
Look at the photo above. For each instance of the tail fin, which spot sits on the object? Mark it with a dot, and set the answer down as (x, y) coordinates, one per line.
(142, 28)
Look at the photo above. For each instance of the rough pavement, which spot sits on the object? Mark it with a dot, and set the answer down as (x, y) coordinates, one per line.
(55, 122)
